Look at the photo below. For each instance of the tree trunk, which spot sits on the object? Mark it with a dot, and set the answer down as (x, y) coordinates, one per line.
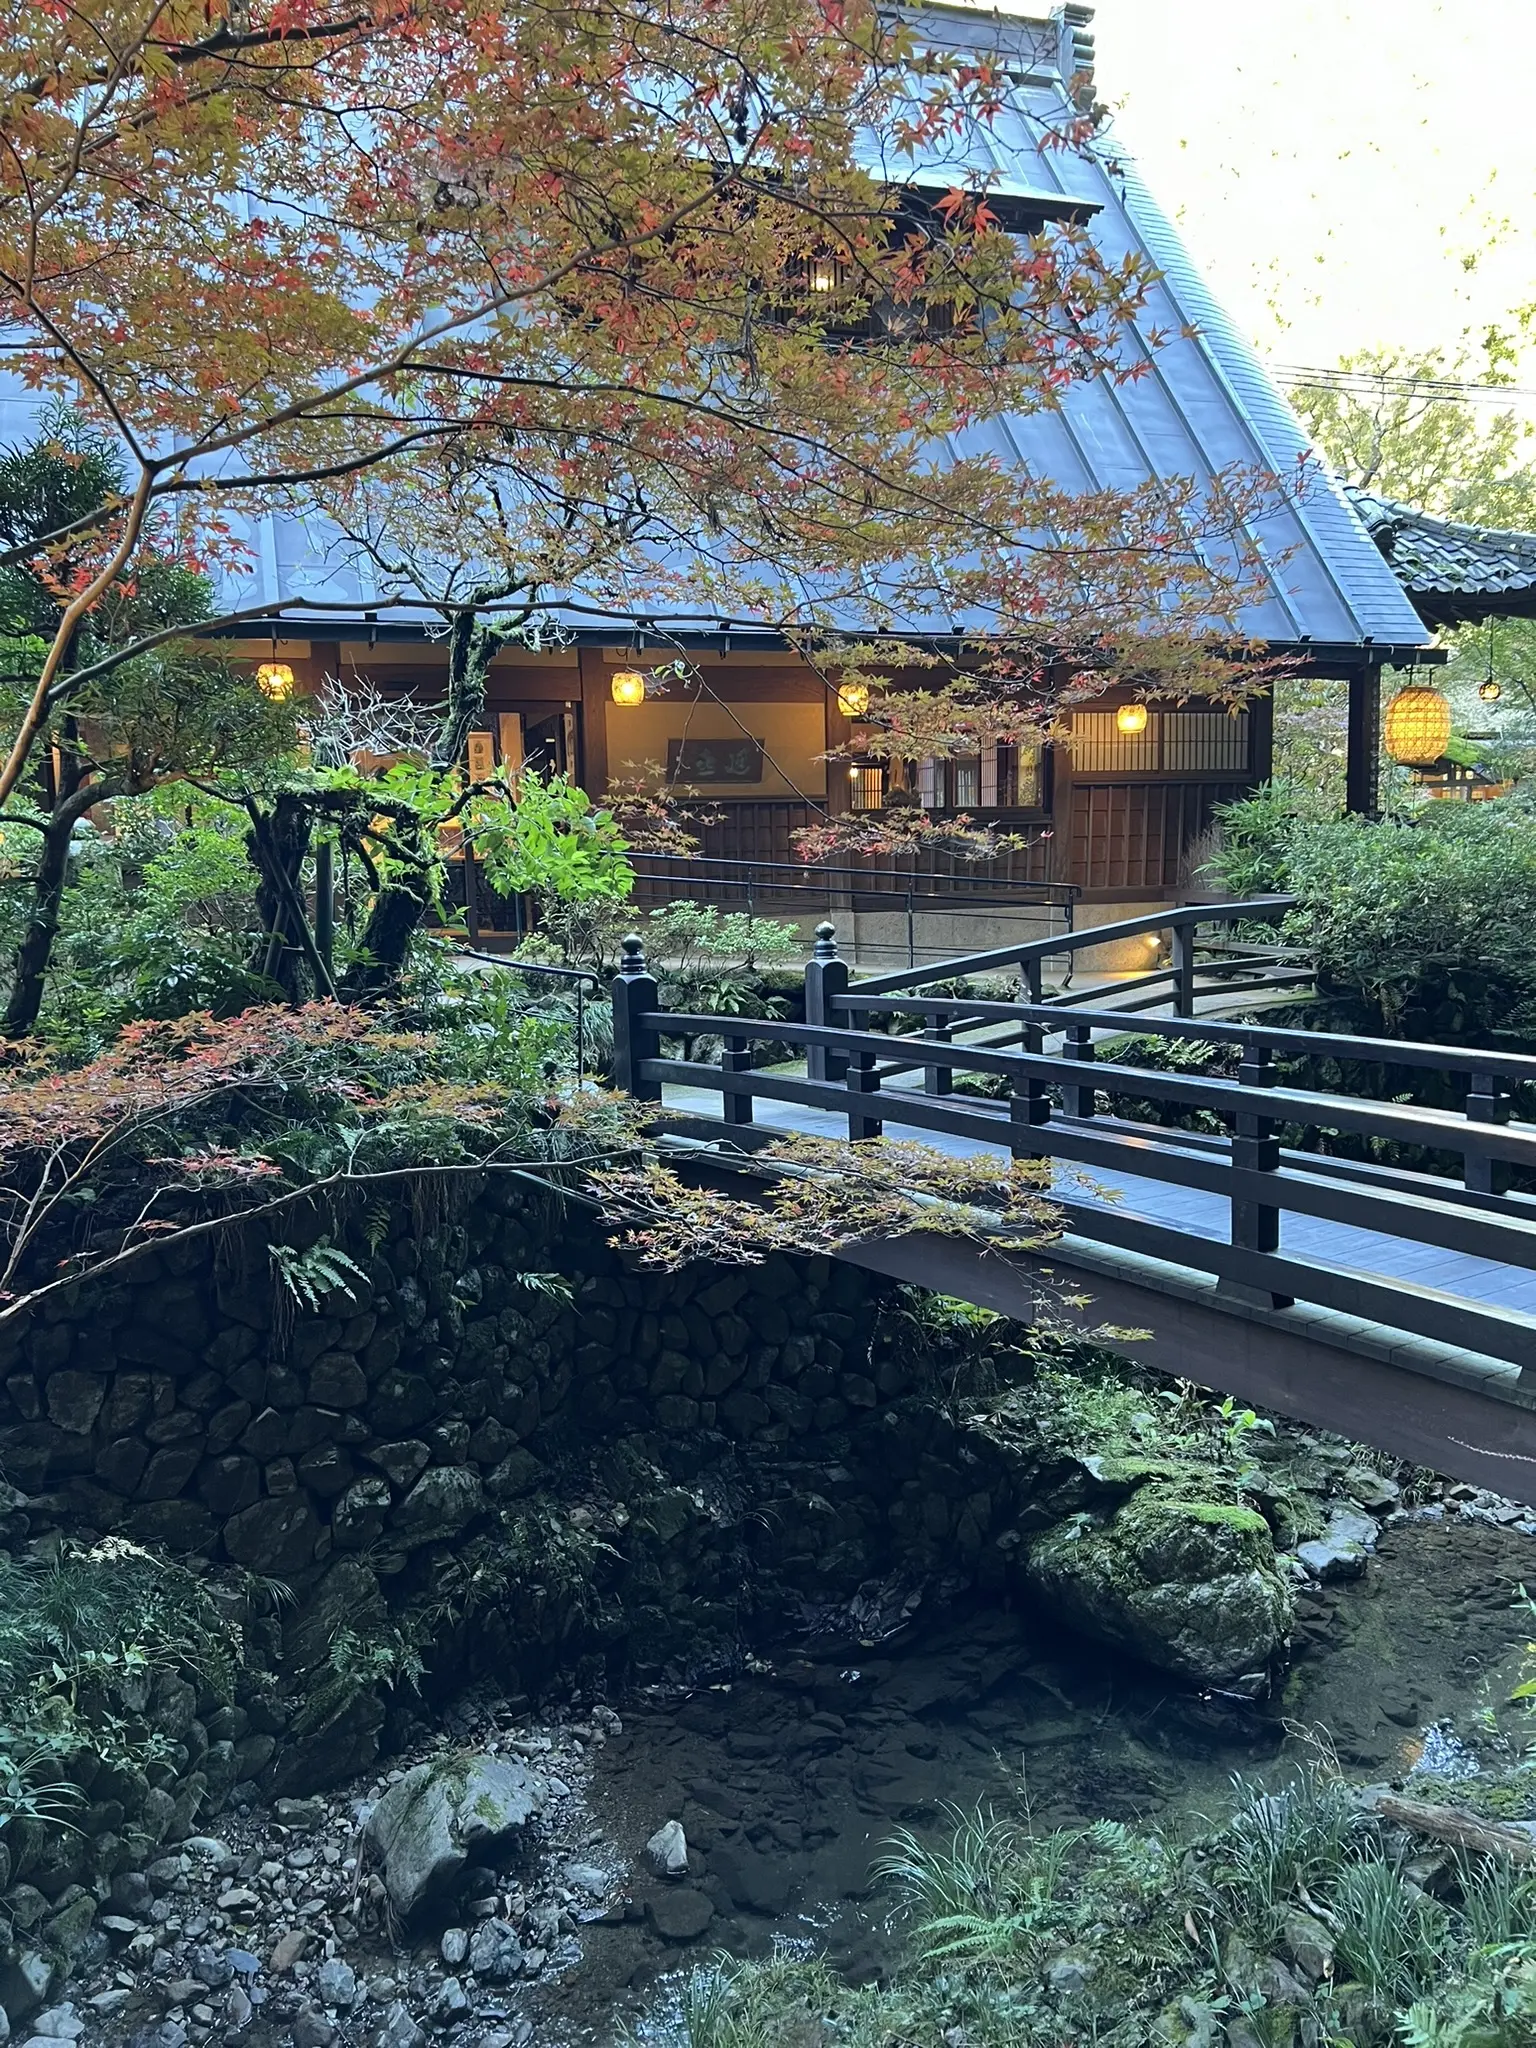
(399, 906)
(276, 845)
(397, 911)
(1458, 1828)
(29, 970)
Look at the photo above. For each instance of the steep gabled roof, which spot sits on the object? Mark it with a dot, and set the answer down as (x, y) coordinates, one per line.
(1454, 574)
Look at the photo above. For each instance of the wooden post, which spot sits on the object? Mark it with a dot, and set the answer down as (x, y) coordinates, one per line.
(938, 1080)
(325, 902)
(736, 1058)
(863, 1082)
(634, 993)
(1081, 1099)
(1184, 970)
(825, 976)
(1363, 746)
(1032, 975)
(1027, 1112)
(1256, 1225)
(1487, 1103)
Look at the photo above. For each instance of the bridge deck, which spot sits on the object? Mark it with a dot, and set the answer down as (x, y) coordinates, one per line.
(1343, 1246)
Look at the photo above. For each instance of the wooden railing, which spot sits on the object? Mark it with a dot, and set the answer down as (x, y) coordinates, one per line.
(1051, 1108)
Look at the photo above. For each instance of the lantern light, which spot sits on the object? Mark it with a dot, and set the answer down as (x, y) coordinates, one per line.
(1490, 689)
(275, 679)
(1417, 727)
(1131, 719)
(853, 699)
(824, 274)
(628, 687)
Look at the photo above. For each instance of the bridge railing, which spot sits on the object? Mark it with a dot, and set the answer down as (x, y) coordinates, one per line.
(1049, 1108)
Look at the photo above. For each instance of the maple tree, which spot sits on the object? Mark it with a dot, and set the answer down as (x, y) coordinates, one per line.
(602, 306)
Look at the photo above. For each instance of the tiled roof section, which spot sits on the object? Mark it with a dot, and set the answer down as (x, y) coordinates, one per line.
(1203, 405)
(1455, 574)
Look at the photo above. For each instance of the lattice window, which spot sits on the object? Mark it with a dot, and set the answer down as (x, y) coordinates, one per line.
(1174, 743)
(998, 779)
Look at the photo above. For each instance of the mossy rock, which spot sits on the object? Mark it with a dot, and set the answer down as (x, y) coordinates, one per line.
(1189, 1585)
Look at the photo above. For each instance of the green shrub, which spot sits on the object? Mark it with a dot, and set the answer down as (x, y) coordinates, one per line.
(1423, 921)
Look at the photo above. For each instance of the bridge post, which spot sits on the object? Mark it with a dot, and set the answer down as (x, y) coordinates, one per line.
(862, 1081)
(1032, 974)
(634, 993)
(736, 1058)
(825, 976)
(1079, 1046)
(1184, 970)
(1487, 1103)
(1255, 1147)
(938, 1080)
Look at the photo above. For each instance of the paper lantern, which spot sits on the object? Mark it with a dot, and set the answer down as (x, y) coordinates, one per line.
(1491, 691)
(853, 699)
(1131, 719)
(1417, 726)
(628, 687)
(275, 679)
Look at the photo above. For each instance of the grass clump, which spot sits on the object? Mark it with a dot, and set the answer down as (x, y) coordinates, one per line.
(84, 1641)
(1301, 1920)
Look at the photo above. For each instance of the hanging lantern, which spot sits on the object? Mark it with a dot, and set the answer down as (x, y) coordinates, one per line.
(275, 679)
(1491, 689)
(628, 687)
(853, 699)
(1131, 719)
(1417, 726)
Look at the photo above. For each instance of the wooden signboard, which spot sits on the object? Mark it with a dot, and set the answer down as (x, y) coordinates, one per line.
(715, 761)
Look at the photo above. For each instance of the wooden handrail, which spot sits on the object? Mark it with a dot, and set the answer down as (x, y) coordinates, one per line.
(1335, 1045)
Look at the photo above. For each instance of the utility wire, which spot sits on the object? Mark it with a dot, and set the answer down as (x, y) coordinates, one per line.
(1366, 383)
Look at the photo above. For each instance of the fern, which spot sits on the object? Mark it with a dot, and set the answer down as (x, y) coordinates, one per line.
(311, 1275)
(376, 1222)
(554, 1285)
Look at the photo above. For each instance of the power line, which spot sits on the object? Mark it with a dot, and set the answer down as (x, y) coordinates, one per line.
(1366, 383)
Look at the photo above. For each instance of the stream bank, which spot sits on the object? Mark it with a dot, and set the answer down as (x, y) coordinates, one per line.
(789, 1556)
(787, 1781)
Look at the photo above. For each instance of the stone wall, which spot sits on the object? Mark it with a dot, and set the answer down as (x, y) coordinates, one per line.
(190, 1405)
(502, 1449)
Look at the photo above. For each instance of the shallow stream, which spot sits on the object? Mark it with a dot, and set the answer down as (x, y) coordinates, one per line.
(789, 1783)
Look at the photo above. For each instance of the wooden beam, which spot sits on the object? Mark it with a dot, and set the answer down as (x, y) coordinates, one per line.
(1454, 1411)
(592, 771)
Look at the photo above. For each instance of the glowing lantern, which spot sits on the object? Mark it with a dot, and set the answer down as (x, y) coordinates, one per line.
(1418, 726)
(823, 274)
(1491, 691)
(1131, 719)
(853, 699)
(274, 679)
(628, 687)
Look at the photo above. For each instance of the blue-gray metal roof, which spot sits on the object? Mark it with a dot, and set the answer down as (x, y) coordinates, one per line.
(1204, 404)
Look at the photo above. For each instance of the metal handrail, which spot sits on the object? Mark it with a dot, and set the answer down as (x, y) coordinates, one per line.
(582, 976)
(899, 879)
(1177, 921)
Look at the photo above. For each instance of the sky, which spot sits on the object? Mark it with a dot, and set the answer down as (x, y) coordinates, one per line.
(1349, 173)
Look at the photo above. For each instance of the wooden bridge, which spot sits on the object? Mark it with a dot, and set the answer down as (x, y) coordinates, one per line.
(1390, 1296)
